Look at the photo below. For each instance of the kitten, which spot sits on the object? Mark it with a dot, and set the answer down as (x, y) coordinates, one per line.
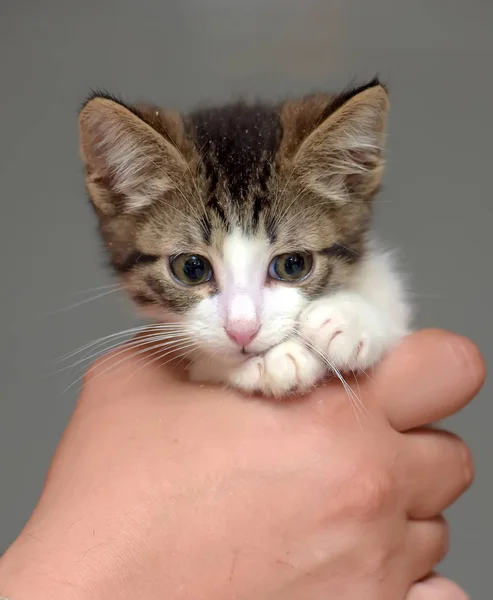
(248, 227)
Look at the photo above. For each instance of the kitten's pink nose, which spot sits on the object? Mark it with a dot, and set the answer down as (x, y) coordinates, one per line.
(242, 334)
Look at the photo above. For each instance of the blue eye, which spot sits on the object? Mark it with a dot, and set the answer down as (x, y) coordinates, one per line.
(191, 269)
(294, 266)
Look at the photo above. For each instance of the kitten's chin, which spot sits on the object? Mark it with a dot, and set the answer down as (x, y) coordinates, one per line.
(232, 357)
(229, 357)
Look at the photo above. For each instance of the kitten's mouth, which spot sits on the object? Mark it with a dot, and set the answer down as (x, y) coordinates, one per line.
(242, 355)
(252, 353)
(248, 354)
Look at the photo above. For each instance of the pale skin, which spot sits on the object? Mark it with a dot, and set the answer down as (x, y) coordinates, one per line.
(161, 488)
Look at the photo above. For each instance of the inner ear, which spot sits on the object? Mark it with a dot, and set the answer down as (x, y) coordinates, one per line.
(125, 156)
(342, 157)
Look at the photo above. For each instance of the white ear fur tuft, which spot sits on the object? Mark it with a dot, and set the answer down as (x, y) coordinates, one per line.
(134, 161)
(342, 157)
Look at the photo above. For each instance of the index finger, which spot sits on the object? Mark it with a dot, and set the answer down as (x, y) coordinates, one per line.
(431, 375)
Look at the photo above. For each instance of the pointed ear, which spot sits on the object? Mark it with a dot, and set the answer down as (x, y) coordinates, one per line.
(342, 158)
(128, 163)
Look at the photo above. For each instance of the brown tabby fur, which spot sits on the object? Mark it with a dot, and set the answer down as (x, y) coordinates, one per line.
(288, 172)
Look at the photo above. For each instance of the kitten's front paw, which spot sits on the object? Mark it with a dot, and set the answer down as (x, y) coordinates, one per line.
(286, 368)
(347, 330)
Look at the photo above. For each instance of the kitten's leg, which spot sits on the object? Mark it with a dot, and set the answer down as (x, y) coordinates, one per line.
(286, 368)
(356, 326)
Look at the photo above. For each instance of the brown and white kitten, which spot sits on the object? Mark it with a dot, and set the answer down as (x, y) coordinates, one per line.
(246, 227)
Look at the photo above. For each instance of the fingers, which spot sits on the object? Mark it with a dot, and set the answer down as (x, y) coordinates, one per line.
(436, 468)
(436, 588)
(430, 376)
(427, 545)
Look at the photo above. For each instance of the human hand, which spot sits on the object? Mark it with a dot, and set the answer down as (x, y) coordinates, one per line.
(164, 489)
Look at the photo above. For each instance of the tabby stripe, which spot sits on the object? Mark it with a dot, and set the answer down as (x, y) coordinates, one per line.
(215, 206)
(340, 251)
(257, 207)
(142, 299)
(156, 286)
(135, 259)
(270, 226)
(206, 226)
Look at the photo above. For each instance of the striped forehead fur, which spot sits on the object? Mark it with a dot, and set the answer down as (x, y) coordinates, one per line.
(238, 171)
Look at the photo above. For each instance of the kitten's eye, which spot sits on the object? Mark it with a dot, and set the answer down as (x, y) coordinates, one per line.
(291, 267)
(191, 269)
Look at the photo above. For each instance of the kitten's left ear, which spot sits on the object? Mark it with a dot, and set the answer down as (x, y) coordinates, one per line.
(342, 158)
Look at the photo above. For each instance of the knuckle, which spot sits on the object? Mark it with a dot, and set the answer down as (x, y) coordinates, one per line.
(373, 490)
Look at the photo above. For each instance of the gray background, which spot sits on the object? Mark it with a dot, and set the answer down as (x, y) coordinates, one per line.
(436, 206)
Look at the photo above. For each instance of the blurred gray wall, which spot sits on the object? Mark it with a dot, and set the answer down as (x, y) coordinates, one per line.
(436, 206)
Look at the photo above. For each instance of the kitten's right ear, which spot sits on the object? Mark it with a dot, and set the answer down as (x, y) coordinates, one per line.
(128, 163)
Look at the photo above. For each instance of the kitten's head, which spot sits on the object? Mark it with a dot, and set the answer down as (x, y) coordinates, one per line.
(230, 220)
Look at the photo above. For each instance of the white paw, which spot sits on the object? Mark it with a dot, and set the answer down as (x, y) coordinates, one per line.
(286, 368)
(348, 330)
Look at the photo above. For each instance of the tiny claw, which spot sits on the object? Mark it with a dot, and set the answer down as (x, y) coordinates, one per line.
(336, 333)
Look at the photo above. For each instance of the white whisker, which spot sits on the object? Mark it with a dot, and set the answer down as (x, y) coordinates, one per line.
(130, 355)
(85, 301)
(159, 352)
(354, 399)
(160, 335)
(96, 289)
(185, 355)
(133, 330)
(141, 340)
